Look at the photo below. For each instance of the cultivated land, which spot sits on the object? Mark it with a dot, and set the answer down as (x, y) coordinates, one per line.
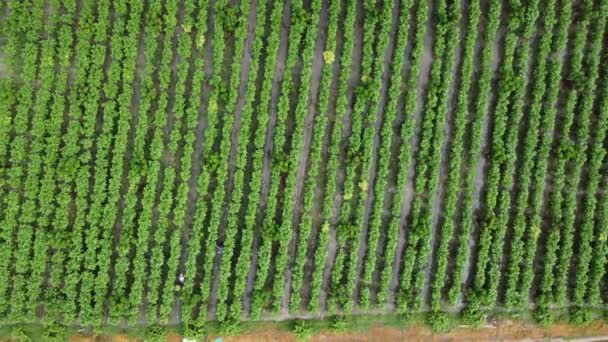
(302, 159)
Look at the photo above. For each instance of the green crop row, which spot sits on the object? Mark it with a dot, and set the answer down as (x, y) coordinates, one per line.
(232, 225)
(253, 198)
(335, 138)
(384, 154)
(58, 235)
(479, 110)
(371, 95)
(31, 17)
(592, 159)
(72, 177)
(346, 231)
(321, 126)
(557, 240)
(547, 123)
(229, 234)
(270, 229)
(145, 257)
(511, 88)
(203, 183)
(447, 227)
(190, 115)
(79, 280)
(32, 256)
(136, 173)
(294, 155)
(516, 247)
(406, 134)
(419, 230)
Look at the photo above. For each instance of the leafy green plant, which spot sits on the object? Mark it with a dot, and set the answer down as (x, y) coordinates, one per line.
(302, 329)
(438, 321)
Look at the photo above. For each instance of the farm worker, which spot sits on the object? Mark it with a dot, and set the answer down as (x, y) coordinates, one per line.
(181, 279)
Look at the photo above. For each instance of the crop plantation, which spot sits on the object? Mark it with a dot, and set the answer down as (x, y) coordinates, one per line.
(186, 161)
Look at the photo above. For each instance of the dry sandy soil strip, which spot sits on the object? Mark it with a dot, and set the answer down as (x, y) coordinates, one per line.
(503, 331)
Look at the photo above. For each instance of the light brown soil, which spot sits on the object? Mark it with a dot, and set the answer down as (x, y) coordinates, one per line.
(505, 330)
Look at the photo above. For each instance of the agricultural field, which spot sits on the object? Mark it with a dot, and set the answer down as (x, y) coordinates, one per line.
(186, 161)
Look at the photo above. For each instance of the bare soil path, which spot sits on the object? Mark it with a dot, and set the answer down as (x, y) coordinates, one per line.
(504, 330)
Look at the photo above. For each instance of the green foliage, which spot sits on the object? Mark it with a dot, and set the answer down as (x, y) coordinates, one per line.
(156, 333)
(338, 323)
(148, 177)
(302, 329)
(438, 321)
(230, 327)
(472, 315)
(194, 331)
(580, 315)
(19, 335)
(519, 244)
(55, 332)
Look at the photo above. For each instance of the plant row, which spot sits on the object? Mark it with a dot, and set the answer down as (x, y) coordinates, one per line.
(346, 232)
(320, 126)
(31, 17)
(270, 233)
(232, 225)
(554, 248)
(210, 160)
(456, 150)
(549, 113)
(259, 139)
(405, 136)
(335, 138)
